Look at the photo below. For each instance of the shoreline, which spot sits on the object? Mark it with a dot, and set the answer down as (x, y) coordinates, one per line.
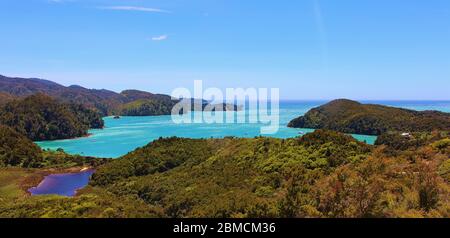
(75, 138)
(82, 147)
(358, 137)
(37, 176)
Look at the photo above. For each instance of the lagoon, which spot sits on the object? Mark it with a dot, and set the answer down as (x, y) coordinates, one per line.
(62, 184)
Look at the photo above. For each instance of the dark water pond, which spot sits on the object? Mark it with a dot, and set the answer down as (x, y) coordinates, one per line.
(62, 184)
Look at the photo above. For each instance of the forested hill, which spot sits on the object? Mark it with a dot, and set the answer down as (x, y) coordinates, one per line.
(40, 117)
(17, 150)
(133, 95)
(322, 174)
(105, 102)
(352, 117)
(44, 110)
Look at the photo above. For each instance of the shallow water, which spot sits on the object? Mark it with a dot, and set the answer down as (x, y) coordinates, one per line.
(128, 133)
(62, 184)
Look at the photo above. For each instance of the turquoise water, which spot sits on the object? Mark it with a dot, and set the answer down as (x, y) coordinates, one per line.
(128, 133)
(62, 184)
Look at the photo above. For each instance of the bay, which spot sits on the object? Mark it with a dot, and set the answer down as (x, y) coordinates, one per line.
(124, 135)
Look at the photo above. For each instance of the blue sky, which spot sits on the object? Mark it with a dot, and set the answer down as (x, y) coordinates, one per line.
(310, 49)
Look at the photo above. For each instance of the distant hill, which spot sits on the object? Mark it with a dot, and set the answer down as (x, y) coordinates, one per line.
(133, 95)
(353, 117)
(127, 103)
(163, 106)
(147, 107)
(25, 87)
(103, 101)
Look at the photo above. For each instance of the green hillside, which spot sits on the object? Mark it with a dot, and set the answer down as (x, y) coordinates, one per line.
(40, 117)
(352, 117)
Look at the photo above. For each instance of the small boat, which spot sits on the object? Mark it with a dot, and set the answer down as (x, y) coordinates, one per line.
(301, 133)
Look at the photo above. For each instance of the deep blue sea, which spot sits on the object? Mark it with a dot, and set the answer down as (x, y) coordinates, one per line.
(128, 133)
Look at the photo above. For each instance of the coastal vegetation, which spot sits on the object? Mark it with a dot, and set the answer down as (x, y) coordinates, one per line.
(40, 117)
(17, 150)
(352, 117)
(23, 165)
(401, 142)
(15, 201)
(322, 174)
(326, 174)
(20, 152)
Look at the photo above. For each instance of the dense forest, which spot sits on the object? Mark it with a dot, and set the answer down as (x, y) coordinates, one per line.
(147, 107)
(104, 102)
(164, 106)
(352, 117)
(17, 150)
(323, 174)
(44, 110)
(5, 98)
(40, 117)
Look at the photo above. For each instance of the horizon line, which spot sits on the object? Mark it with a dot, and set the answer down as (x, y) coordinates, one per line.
(281, 99)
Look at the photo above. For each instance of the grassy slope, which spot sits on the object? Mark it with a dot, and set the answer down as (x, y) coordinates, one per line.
(11, 181)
